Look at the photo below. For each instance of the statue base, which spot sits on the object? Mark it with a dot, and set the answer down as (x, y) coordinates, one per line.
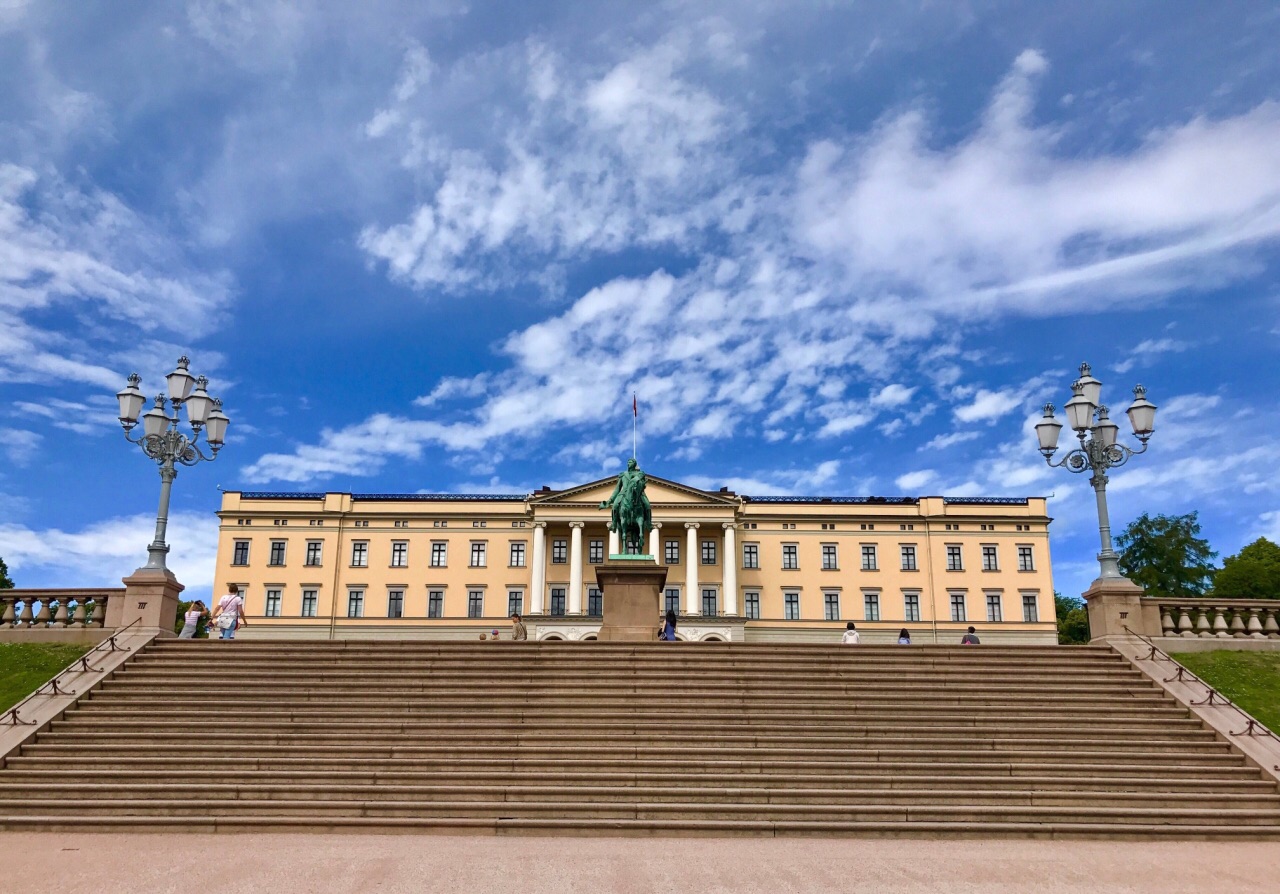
(632, 594)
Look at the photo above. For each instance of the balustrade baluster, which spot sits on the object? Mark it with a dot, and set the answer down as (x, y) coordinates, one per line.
(24, 619)
(1237, 622)
(77, 617)
(1254, 625)
(99, 616)
(42, 616)
(6, 612)
(1220, 621)
(1270, 628)
(58, 617)
(1168, 626)
(1184, 622)
(1204, 627)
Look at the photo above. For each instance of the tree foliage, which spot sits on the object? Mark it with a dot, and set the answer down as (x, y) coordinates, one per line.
(5, 582)
(1253, 573)
(1073, 620)
(1166, 555)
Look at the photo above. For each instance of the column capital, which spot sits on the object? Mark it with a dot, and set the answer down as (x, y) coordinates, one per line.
(577, 524)
(729, 526)
(656, 524)
(609, 525)
(692, 526)
(539, 524)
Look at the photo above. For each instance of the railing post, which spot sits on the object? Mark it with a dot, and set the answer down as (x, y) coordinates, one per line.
(24, 619)
(6, 612)
(77, 617)
(1269, 626)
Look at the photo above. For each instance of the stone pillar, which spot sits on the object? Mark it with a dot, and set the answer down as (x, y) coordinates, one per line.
(632, 600)
(538, 581)
(1116, 603)
(691, 595)
(613, 542)
(150, 598)
(575, 568)
(655, 541)
(730, 570)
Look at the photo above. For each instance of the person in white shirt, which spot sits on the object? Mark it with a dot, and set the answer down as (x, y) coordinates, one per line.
(230, 613)
(850, 637)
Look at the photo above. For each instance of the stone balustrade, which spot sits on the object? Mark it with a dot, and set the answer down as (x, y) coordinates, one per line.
(26, 610)
(1221, 618)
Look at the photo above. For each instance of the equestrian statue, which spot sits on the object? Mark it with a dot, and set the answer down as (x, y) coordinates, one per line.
(632, 514)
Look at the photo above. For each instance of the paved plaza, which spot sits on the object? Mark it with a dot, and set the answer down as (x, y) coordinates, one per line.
(391, 864)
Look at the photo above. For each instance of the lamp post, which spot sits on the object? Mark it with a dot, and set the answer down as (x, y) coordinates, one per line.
(1098, 450)
(163, 442)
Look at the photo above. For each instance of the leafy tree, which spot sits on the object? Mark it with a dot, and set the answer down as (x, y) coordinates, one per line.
(1166, 555)
(5, 582)
(1073, 620)
(1254, 573)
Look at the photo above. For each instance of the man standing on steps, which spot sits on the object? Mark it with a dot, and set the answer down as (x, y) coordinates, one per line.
(518, 632)
(970, 638)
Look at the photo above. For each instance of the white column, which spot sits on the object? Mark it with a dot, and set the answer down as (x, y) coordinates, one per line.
(691, 596)
(613, 541)
(730, 570)
(538, 583)
(655, 542)
(575, 568)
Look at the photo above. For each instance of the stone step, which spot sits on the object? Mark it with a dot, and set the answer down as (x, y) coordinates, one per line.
(852, 810)
(524, 793)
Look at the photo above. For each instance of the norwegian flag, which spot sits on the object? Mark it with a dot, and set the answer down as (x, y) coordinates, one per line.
(635, 410)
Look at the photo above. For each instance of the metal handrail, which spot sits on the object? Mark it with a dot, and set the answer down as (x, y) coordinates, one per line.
(1214, 699)
(11, 716)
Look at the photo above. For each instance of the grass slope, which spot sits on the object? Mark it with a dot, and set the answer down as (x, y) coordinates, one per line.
(25, 667)
(1250, 679)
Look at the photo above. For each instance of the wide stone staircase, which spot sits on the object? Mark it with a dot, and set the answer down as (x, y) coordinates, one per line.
(661, 738)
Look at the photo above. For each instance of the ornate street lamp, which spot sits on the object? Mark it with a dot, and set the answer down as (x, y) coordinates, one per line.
(1098, 450)
(163, 442)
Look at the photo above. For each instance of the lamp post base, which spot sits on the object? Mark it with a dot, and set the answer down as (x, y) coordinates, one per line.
(151, 599)
(1115, 609)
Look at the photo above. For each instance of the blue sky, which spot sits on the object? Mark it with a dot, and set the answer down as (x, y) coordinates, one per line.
(836, 248)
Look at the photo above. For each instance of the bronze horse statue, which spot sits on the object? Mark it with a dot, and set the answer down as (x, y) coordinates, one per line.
(632, 514)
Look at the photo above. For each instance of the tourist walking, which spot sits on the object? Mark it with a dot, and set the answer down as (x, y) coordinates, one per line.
(518, 631)
(229, 614)
(970, 638)
(851, 637)
(668, 632)
(904, 637)
(191, 620)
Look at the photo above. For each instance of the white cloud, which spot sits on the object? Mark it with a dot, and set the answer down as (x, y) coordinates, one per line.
(942, 442)
(19, 445)
(894, 395)
(988, 406)
(1147, 349)
(106, 551)
(914, 481)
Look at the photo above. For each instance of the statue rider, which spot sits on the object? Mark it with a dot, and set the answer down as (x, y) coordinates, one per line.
(632, 514)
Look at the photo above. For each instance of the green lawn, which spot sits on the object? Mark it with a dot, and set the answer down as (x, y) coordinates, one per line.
(1250, 679)
(25, 667)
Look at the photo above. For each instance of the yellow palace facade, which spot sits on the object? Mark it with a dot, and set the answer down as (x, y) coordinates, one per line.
(453, 566)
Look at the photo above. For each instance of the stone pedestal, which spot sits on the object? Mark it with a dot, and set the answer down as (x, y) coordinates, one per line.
(151, 599)
(1115, 604)
(632, 593)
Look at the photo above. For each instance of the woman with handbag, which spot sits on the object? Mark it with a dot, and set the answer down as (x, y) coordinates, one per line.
(230, 613)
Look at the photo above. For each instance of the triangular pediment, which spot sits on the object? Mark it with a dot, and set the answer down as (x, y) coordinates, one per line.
(660, 491)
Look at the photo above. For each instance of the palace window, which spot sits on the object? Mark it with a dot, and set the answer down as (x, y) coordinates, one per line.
(517, 554)
(990, 561)
(871, 606)
(1025, 560)
(475, 603)
(399, 554)
(830, 557)
(515, 602)
(355, 603)
(671, 550)
(791, 606)
(435, 603)
(557, 600)
(790, 556)
(708, 552)
(831, 606)
(750, 555)
(957, 607)
(395, 603)
(908, 557)
(954, 561)
(273, 604)
(1030, 611)
(240, 555)
(315, 552)
(868, 557)
(478, 553)
(559, 552)
(595, 602)
(994, 614)
(359, 555)
(277, 553)
(671, 596)
(439, 553)
(751, 604)
(709, 606)
(309, 603)
(911, 606)
(595, 551)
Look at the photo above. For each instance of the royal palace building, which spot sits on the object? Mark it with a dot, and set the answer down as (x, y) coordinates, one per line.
(453, 566)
